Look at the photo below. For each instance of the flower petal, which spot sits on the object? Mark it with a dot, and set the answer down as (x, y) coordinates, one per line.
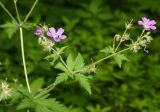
(63, 36)
(140, 23)
(57, 39)
(145, 19)
(153, 27)
(60, 31)
(52, 30)
(49, 34)
(152, 22)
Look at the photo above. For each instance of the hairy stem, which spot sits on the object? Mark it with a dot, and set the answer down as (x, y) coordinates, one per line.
(120, 40)
(29, 13)
(6, 10)
(63, 62)
(46, 90)
(23, 59)
(109, 56)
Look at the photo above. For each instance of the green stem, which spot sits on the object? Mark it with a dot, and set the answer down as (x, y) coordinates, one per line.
(45, 91)
(109, 56)
(23, 59)
(17, 13)
(4, 8)
(29, 13)
(63, 62)
(142, 33)
(120, 40)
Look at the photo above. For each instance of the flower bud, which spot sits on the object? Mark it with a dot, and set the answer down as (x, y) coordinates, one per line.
(39, 31)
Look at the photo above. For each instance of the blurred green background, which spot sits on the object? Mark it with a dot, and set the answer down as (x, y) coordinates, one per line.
(90, 26)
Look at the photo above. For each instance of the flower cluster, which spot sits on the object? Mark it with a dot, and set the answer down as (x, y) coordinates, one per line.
(5, 91)
(145, 38)
(48, 36)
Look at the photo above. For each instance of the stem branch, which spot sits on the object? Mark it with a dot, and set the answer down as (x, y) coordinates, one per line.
(29, 13)
(17, 13)
(109, 56)
(6, 10)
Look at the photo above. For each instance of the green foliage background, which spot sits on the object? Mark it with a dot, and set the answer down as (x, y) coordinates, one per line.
(90, 26)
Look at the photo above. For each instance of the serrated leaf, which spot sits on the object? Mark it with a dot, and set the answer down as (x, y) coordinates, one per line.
(70, 62)
(24, 104)
(49, 105)
(60, 51)
(62, 77)
(37, 83)
(119, 58)
(10, 28)
(52, 57)
(84, 82)
(79, 62)
(107, 50)
(29, 26)
(40, 108)
(61, 67)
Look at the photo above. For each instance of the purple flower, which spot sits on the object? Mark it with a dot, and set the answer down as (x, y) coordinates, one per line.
(57, 36)
(39, 31)
(147, 23)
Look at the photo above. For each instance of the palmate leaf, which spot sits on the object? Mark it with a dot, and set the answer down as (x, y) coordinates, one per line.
(84, 82)
(107, 50)
(52, 58)
(75, 64)
(62, 77)
(25, 104)
(29, 26)
(56, 55)
(61, 67)
(49, 105)
(10, 28)
(79, 62)
(70, 62)
(119, 58)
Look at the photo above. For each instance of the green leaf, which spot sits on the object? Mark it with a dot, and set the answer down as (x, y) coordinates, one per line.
(119, 58)
(40, 108)
(84, 82)
(37, 83)
(62, 77)
(24, 104)
(79, 62)
(70, 62)
(10, 28)
(49, 105)
(52, 57)
(61, 67)
(29, 26)
(60, 50)
(107, 50)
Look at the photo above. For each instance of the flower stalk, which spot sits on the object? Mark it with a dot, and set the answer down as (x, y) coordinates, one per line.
(23, 59)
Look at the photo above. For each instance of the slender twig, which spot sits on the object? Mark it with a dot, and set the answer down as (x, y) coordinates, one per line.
(120, 40)
(109, 56)
(23, 59)
(142, 33)
(113, 46)
(123, 35)
(6, 10)
(17, 12)
(63, 62)
(29, 13)
(45, 91)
